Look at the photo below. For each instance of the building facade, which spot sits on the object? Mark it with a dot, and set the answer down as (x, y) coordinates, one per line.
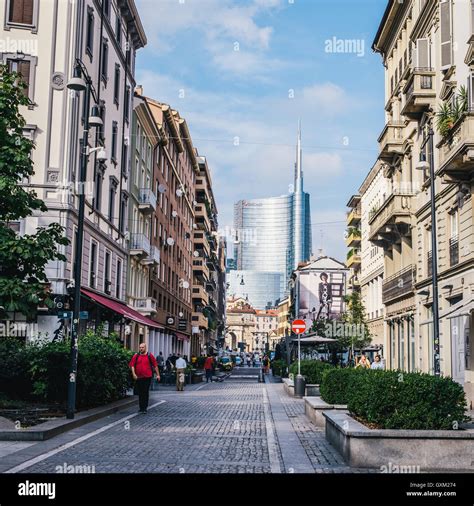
(266, 330)
(241, 325)
(353, 241)
(427, 50)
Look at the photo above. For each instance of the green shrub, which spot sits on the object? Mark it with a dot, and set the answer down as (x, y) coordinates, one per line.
(399, 400)
(279, 368)
(15, 381)
(312, 370)
(335, 385)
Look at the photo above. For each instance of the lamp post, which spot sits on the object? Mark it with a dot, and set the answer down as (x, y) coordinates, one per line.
(424, 165)
(81, 81)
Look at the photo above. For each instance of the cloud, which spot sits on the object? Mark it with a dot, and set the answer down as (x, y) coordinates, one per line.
(328, 98)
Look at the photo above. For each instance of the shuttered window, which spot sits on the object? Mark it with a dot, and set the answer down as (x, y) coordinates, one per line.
(446, 35)
(422, 55)
(23, 68)
(470, 91)
(21, 12)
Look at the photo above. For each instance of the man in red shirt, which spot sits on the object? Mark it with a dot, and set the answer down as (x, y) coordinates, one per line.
(208, 367)
(142, 365)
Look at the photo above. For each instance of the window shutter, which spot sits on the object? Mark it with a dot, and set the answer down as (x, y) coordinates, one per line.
(24, 70)
(422, 55)
(28, 12)
(16, 11)
(446, 44)
(470, 91)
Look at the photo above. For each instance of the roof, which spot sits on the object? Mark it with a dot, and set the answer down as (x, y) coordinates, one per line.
(325, 262)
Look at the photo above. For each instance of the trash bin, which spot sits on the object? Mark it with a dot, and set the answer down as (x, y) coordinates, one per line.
(300, 385)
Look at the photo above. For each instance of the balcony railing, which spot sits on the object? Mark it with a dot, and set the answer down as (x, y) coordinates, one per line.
(419, 92)
(391, 139)
(145, 305)
(453, 251)
(199, 320)
(153, 257)
(139, 244)
(456, 155)
(147, 200)
(395, 209)
(354, 216)
(398, 285)
(199, 293)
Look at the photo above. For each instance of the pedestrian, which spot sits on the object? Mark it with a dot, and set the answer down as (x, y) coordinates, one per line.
(248, 360)
(265, 364)
(161, 363)
(180, 375)
(377, 363)
(142, 365)
(363, 362)
(169, 370)
(209, 367)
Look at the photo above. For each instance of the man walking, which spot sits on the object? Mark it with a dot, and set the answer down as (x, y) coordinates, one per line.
(180, 376)
(142, 365)
(161, 362)
(208, 367)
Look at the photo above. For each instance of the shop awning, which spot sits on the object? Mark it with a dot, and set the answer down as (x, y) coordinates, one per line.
(122, 309)
(464, 310)
(181, 337)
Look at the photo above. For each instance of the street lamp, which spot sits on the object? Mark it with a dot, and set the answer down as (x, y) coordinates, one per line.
(424, 165)
(81, 81)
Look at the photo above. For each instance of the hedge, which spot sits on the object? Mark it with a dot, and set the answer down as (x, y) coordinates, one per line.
(397, 399)
(279, 367)
(312, 370)
(38, 371)
(334, 388)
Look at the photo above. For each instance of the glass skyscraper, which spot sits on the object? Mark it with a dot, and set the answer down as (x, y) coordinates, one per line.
(272, 236)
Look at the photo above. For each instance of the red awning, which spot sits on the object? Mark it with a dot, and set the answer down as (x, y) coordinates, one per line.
(122, 309)
(182, 337)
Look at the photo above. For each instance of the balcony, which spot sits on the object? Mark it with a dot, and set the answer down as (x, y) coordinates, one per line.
(153, 258)
(391, 219)
(419, 92)
(199, 320)
(201, 188)
(391, 140)
(353, 259)
(353, 239)
(453, 251)
(456, 151)
(398, 285)
(146, 200)
(200, 269)
(201, 217)
(146, 305)
(139, 245)
(201, 242)
(212, 262)
(354, 217)
(200, 294)
(211, 284)
(354, 283)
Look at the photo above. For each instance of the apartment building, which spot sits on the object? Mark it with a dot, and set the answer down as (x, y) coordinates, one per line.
(284, 325)
(100, 40)
(266, 329)
(372, 194)
(241, 325)
(353, 240)
(427, 50)
(207, 264)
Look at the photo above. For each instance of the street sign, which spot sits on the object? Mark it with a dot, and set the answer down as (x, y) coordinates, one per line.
(84, 315)
(170, 320)
(65, 314)
(298, 326)
(182, 324)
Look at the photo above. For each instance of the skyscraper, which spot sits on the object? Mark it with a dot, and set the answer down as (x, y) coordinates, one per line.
(272, 236)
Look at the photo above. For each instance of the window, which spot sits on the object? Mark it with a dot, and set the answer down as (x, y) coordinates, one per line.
(112, 193)
(22, 67)
(101, 128)
(124, 160)
(21, 12)
(422, 53)
(117, 84)
(92, 264)
(106, 8)
(118, 279)
(118, 30)
(107, 281)
(123, 212)
(411, 330)
(401, 344)
(114, 141)
(98, 190)
(105, 60)
(90, 32)
(126, 105)
(446, 34)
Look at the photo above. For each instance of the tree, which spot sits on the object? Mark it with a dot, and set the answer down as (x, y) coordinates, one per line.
(23, 259)
(357, 334)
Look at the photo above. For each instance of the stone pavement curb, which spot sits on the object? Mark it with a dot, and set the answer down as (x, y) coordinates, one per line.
(50, 429)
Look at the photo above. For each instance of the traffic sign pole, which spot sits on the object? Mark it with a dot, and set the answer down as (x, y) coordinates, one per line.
(299, 326)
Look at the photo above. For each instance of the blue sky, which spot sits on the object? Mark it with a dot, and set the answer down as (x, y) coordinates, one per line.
(243, 71)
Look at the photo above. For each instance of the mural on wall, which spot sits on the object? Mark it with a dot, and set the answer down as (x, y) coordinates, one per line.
(321, 295)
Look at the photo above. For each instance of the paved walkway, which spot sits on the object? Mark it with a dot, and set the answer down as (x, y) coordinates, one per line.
(230, 427)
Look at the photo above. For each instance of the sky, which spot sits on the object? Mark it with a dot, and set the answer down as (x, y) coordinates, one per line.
(243, 72)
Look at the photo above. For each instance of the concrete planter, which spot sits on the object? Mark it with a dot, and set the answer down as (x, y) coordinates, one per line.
(391, 450)
(314, 408)
(289, 386)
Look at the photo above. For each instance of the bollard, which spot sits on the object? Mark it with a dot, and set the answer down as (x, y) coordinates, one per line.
(300, 386)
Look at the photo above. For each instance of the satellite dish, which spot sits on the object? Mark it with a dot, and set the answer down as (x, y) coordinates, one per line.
(174, 214)
(194, 225)
(170, 241)
(185, 284)
(195, 203)
(196, 253)
(179, 192)
(162, 188)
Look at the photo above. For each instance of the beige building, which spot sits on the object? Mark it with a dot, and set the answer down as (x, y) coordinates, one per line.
(266, 329)
(353, 242)
(284, 318)
(427, 50)
(241, 324)
(372, 193)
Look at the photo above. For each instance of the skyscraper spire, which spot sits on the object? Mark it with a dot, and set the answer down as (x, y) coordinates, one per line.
(298, 164)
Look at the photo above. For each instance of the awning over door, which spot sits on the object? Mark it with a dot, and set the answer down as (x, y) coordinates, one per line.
(181, 337)
(122, 309)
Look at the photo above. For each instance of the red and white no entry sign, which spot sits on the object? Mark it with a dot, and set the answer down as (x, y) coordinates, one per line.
(298, 326)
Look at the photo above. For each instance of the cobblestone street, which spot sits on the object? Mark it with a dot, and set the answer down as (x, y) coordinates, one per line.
(232, 427)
